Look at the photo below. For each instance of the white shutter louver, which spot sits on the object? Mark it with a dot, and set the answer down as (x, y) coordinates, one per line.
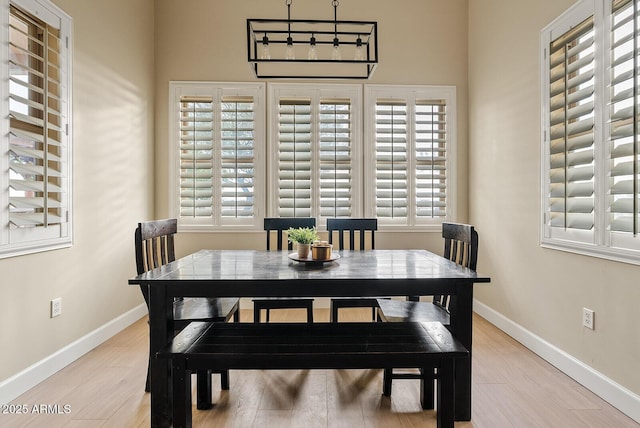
(335, 158)
(571, 198)
(238, 170)
(391, 159)
(294, 150)
(624, 144)
(37, 183)
(430, 143)
(196, 156)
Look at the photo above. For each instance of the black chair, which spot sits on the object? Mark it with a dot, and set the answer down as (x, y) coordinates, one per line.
(461, 247)
(280, 226)
(364, 227)
(154, 246)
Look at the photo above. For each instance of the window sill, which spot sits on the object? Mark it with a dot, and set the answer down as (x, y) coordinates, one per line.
(607, 253)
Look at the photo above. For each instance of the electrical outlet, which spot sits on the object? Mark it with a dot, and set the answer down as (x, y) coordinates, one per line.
(56, 307)
(588, 318)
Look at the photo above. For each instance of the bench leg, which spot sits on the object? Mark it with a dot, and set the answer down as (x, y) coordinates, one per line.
(181, 395)
(203, 390)
(446, 394)
(426, 388)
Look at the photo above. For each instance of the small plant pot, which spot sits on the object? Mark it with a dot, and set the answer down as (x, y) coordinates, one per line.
(321, 251)
(303, 250)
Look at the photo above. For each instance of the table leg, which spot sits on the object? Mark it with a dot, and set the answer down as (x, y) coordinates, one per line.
(160, 332)
(462, 325)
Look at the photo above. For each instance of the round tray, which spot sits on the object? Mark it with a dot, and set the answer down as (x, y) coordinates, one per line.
(294, 256)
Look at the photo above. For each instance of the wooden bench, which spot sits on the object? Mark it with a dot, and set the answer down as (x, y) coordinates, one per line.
(217, 346)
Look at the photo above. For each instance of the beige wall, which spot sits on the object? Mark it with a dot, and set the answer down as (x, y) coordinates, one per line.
(542, 290)
(420, 42)
(113, 102)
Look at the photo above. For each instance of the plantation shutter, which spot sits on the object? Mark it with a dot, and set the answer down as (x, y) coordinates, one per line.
(295, 158)
(571, 163)
(335, 158)
(238, 154)
(624, 144)
(196, 156)
(38, 195)
(431, 157)
(391, 159)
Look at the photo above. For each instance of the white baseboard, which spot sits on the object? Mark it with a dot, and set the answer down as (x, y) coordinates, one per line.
(615, 394)
(18, 384)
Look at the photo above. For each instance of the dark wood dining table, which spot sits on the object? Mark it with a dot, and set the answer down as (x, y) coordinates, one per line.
(246, 273)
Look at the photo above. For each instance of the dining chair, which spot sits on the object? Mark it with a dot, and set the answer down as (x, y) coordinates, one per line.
(461, 247)
(154, 247)
(279, 225)
(364, 227)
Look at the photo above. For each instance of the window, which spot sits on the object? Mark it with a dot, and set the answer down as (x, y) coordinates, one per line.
(316, 164)
(590, 131)
(217, 139)
(624, 143)
(315, 138)
(570, 172)
(410, 153)
(36, 137)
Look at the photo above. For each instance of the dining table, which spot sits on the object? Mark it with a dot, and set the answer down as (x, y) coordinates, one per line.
(254, 273)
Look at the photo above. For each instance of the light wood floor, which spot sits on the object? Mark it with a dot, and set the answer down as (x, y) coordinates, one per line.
(511, 388)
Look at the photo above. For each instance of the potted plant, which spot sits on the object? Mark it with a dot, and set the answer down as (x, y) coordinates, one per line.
(303, 237)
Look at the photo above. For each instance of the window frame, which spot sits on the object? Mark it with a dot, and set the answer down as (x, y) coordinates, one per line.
(217, 90)
(27, 240)
(411, 94)
(600, 242)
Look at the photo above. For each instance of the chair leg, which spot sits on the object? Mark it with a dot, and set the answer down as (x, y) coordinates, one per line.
(256, 313)
(268, 312)
(334, 313)
(204, 400)
(224, 380)
(386, 382)
(236, 315)
(310, 313)
(147, 385)
(427, 383)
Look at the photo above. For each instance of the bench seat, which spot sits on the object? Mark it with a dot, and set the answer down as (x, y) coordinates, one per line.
(216, 346)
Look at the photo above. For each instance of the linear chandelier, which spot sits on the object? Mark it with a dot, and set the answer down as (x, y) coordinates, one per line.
(317, 49)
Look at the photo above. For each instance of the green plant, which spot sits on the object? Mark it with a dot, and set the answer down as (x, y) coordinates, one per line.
(302, 235)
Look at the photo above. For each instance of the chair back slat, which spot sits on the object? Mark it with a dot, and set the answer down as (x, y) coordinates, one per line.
(364, 226)
(279, 225)
(461, 247)
(460, 244)
(154, 244)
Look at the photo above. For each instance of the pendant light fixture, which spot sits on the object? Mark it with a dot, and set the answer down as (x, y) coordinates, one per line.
(308, 48)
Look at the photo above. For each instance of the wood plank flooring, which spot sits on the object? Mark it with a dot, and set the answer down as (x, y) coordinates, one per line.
(512, 387)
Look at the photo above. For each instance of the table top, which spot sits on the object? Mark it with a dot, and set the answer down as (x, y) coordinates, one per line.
(245, 269)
